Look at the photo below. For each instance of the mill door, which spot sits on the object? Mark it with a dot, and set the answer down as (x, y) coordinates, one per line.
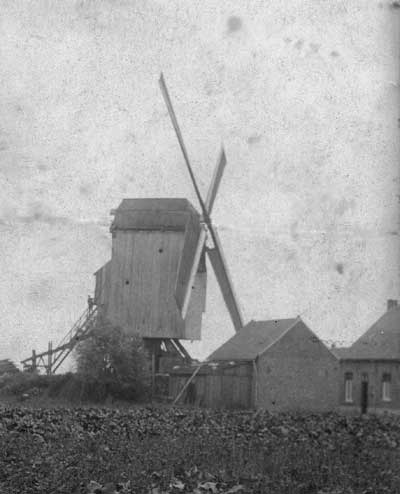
(364, 394)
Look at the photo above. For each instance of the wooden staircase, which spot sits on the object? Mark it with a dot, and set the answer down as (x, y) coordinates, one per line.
(51, 359)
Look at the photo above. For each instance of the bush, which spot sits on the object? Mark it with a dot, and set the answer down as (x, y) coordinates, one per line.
(112, 363)
(58, 383)
(75, 388)
(23, 382)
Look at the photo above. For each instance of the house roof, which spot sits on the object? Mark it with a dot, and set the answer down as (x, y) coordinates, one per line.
(381, 341)
(253, 339)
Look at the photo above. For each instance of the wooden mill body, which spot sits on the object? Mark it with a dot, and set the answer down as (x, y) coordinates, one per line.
(153, 248)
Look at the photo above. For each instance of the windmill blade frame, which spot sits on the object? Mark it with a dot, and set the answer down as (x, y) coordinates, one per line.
(215, 181)
(195, 266)
(215, 254)
(211, 195)
(220, 268)
(179, 136)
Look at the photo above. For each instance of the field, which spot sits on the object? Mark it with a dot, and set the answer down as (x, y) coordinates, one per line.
(170, 450)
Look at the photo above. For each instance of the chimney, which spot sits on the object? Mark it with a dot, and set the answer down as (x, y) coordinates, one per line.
(391, 304)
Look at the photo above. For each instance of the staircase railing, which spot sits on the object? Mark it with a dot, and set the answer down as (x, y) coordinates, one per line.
(56, 356)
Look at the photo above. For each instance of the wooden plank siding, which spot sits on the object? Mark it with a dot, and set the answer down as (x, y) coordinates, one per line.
(144, 266)
(152, 241)
(229, 387)
(143, 271)
(102, 287)
(192, 234)
(197, 306)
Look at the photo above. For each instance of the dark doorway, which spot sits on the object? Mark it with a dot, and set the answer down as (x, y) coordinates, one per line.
(364, 397)
(191, 394)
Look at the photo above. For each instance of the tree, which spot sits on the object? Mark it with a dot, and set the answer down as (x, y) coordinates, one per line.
(113, 362)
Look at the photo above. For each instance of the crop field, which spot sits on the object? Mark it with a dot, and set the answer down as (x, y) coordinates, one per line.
(171, 450)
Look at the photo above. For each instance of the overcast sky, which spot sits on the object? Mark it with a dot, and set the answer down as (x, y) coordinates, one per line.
(305, 97)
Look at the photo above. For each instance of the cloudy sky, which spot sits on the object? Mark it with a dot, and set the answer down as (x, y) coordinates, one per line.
(303, 94)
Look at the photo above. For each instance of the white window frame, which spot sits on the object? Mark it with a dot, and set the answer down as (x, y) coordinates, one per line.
(386, 389)
(348, 388)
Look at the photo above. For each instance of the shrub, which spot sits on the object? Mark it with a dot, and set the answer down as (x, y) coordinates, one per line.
(57, 384)
(23, 382)
(112, 362)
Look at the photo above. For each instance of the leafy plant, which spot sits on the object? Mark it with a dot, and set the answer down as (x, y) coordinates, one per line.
(17, 384)
(149, 450)
(113, 362)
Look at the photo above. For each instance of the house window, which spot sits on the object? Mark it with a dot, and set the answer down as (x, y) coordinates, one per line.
(386, 382)
(348, 387)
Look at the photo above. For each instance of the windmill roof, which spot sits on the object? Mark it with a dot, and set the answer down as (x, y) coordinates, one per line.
(253, 339)
(153, 214)
(103, 267)
(156, 203)
(381, 341)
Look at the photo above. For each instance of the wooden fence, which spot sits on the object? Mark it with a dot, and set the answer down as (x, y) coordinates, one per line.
(221, 385)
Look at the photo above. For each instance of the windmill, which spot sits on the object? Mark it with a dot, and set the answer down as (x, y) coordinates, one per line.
(215, 253)
(154, 284)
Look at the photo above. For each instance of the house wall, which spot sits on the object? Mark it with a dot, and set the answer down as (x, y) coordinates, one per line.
(298, 373)
(228, 388)
(374, 371)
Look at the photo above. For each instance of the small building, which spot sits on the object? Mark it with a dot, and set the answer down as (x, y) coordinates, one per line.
(370, 368)
(276, 365)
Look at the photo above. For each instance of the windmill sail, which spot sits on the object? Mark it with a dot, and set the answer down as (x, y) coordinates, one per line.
(188, 267)
(221, 272)
(185, 283)
(179, 136)
(195, 266)
(216, 180)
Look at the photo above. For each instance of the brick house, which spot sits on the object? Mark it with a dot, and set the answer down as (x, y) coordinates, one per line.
(370, 368)
(276, 365)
